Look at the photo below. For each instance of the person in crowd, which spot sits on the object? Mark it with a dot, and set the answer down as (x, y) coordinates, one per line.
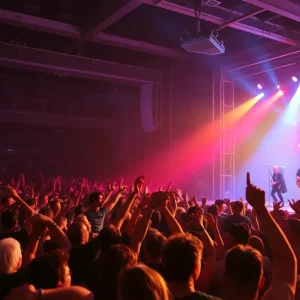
(236, 217)
(152, 248)
(110, 267)
(151, 285)
(78, 242)
(100, 206)
(243, 276)
(182, 273)
(50, 271)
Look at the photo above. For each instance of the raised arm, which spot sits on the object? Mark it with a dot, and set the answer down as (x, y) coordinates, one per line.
(123, 211)
(62, 293)
(284, 258)
(38, 228)
(157, 200)
(110, 201)
(173, 225)
(56, 233)
(22, 203)
(205, 279)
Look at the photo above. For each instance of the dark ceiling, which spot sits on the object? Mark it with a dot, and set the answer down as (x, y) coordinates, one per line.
(106, 26)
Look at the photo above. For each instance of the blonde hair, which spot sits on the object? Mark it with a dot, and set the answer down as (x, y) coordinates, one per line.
(141, 282)
(10, 256)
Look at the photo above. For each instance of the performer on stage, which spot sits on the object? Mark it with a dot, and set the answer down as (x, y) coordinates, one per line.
(278, 184)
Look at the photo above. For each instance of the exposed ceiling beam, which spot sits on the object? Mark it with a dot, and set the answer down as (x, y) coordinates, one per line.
(285, 8)
(139, 46)
(119, 14)
(74, 66)
(68, 30)
(220, 17)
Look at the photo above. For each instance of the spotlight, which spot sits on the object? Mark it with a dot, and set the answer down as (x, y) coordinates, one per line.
(261, 95)
(278, 87)
(281, 93)
(294, 78)
(259, 86)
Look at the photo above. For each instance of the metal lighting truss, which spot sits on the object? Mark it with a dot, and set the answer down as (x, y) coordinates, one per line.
(224, 150)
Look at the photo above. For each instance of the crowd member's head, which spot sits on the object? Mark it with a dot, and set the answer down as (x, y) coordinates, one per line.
(78, 233)
(7, 202)
(151, 286)
(9, 221)
(243, 273)
(55, 206)
(108, 237)
(43, 200)
(46, 211)
(221, 204)
(239, 234)
(237, 207)
(152, 246)
(111, 265)
(96, 200)
(182, 256)
(214, 210)
(50, 271)
(156, 219)
(10, 256)
(32, 203)
(79, 209)
(275, 169)
(256, 243)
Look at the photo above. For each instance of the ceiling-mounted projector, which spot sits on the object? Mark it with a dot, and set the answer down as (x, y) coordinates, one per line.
(205, 44)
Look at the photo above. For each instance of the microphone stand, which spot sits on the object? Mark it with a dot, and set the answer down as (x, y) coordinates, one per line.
(269, 173)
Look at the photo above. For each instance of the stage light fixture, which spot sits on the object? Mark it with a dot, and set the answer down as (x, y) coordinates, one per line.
(294, 78)
(281, 93)
(261, 95)
(278, 87)
(259, 86)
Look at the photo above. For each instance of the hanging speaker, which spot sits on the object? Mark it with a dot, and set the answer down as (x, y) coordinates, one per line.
(146, 107)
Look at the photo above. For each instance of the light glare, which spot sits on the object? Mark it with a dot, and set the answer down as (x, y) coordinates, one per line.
(259, 86)
(281, 93)
(294, 78)
(278, 87)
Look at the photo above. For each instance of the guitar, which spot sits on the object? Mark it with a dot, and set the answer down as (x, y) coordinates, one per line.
(298, 181)
(278, 184)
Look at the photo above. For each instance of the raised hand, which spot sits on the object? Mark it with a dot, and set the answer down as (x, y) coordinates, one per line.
(277, 206)
(254, 195)
(197, 219)
(122, 189)
(12, 191)
(158, 199)
(112, 187)
(169, 187)
(138, 184)
(294, 206)
(227, 202)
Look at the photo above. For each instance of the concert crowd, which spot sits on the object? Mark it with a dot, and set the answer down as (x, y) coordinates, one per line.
(74, 238)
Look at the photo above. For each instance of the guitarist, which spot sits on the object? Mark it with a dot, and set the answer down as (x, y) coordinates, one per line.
(278, 185)
(298, 178)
